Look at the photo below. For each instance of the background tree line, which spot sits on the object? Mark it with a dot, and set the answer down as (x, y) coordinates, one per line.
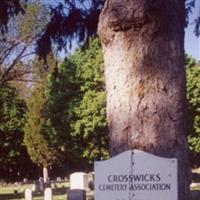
(57, 119)
(65, 116)
(63, 122)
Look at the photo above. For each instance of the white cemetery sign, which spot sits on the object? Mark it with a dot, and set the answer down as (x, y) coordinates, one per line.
(136, 175)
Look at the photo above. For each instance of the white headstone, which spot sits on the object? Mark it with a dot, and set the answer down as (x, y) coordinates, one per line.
(58, 179)
(91, 180)
(28, 194)
(136, 175)
(48, 194)
(194, 184)
(79, 180)
(33, 187)
(25, 180)
(91, 176)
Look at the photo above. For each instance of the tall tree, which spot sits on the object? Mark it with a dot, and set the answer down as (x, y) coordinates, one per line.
(40, 138)
(143, 45)
(77, 105)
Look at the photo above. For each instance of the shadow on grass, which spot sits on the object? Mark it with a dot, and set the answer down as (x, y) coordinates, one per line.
(12, 196)
(195, 195)
(17, 196)
(59, 191)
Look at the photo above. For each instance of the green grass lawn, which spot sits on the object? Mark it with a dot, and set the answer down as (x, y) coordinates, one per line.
(195, 193)
(59, 192)
(7, 192)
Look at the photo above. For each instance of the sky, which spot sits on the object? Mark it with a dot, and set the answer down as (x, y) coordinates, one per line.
(192, 43)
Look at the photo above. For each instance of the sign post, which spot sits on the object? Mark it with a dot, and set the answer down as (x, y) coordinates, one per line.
(136, 175)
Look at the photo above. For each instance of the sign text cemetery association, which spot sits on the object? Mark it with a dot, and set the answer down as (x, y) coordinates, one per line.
(136, 175)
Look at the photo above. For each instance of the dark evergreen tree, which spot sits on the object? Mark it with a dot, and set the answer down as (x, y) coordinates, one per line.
(41, 140)
(70, 20)
(8, 10)
(14, 160)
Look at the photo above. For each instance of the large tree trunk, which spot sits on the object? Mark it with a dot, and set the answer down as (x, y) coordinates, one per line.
(143, 45)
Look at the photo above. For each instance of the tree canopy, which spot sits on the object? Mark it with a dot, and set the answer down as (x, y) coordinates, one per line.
(70, 20)
(18, 43)
(9, 9)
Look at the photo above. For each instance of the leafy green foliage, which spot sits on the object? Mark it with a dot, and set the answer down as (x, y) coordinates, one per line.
(77, 104)
(41, 148)
(90, 125)
(193, 97)
(12, 109)
(13, 155)
(89, 122)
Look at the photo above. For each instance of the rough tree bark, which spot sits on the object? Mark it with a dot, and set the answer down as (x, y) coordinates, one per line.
(143, 46)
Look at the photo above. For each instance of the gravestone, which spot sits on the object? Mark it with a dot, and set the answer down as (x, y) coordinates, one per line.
(91, 180)
(136, 175)
(76, 194)
(36, 186)
(33, 187)
(79, 180)
(28, 194)
(41, 184)
(91, 176)
(47, 184)
(58, 179)
(48, 194)
(25, 181)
